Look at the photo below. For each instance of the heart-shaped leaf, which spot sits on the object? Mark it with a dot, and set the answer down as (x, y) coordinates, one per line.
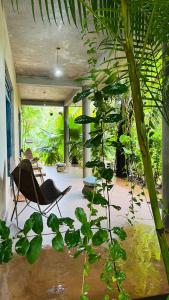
(28, 225)
(57, 242)
(81, 215)
(22, 246)
(53, 222)
(72, 238)
(37, 222)
(100, 237)
(94, 142)
(34, 249)
(120, 232)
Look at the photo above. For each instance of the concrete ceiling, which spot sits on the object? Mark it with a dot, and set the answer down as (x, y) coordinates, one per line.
(34, 51)
(41, 93)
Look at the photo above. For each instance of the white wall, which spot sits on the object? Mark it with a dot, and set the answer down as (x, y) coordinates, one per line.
(6, 57)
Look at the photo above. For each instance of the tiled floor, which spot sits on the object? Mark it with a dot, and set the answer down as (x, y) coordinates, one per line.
(120, 196)
(58, 276)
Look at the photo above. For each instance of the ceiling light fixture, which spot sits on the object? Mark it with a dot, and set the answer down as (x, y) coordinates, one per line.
(58, 69)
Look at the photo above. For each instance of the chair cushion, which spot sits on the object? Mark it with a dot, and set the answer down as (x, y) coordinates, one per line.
(50, 191)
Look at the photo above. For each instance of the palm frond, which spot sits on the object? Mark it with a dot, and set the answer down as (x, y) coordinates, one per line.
(149, 26)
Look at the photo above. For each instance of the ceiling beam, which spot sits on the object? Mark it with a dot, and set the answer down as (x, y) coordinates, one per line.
(45, 81)
(36, 102)
(69, 99)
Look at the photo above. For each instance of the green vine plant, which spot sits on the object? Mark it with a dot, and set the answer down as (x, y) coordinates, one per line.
(92, 233)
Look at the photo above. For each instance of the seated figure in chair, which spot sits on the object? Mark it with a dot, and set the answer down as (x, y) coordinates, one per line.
(29, 155)
(46, 194)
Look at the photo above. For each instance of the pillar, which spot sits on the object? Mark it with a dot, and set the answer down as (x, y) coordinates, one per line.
(86, 136)
(66, 135)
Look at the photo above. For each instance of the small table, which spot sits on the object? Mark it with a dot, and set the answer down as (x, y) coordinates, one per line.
(60, 167)
(90, 183)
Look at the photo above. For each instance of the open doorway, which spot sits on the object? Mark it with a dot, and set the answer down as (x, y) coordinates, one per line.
(43, 132)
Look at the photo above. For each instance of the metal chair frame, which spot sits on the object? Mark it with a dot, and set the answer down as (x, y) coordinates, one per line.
(36, 186)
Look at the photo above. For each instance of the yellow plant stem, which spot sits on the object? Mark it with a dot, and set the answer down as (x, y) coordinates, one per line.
(141, 132)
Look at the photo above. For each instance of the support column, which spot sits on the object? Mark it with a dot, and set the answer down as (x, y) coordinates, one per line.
(86, 136)
(66, 135)
(165, 137)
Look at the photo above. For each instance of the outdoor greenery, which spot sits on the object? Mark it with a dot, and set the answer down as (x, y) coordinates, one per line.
(47, 137)
(126, 91)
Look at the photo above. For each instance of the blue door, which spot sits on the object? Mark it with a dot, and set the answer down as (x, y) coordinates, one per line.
(9, 125)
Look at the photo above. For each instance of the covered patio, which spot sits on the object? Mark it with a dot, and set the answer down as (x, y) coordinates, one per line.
(65, 55)
(120, 196)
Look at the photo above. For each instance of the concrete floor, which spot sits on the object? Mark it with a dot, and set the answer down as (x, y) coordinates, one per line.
(119, 195)
(58, 276)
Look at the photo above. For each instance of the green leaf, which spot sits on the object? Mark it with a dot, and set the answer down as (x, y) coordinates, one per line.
(84, 297)
(95, 141)
(37, 222)
(86, 230)
(57, 242)
(6, 251)
(95, 163)
(22, 246)
(4, 230)
(95, 198)
(123, 296)
(60, 9)
(120, 276)
(120, 232)
(83, 119)
(100, 237)
(73, 10)
(107, 174)
(114, 89)
(78, 252)
(80, 12)
(67, 10)
(47, 10)
(86, 288)
(33, 9)
(93, 258)
(98, 96)
(34, 249)
(53, 9)
(116, 207)
(81, 215)
(68, 221)
(113, 118)
(41, 9)
(109, 268)
(116, 251)
(83, 95)
(28, 225)
(86, 269)
(72, 238)
(97, 221)
(106, 297)
(124, 138)
(53, 222)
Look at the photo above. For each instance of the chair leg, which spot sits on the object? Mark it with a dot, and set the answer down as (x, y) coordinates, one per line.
(13, 212)
(15, 207)
(50, 206)
(27, 204)
(59, 210)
